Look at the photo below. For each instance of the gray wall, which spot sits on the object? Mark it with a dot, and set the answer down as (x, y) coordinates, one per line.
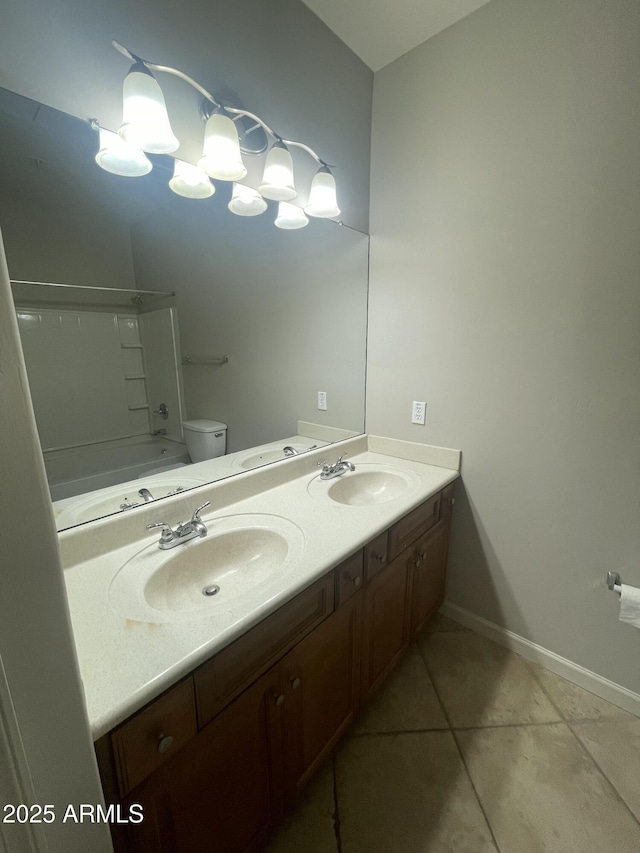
(505, 292)
(288, 308)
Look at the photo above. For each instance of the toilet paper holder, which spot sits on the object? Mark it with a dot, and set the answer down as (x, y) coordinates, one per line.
(614, 582)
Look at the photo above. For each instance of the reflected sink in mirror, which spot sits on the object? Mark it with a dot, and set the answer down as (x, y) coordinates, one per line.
(368, 485)
(275, 454)
(83, 508)
(240, 556)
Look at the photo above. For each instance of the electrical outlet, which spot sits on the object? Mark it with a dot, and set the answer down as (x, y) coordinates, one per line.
(322, 401)
(418, 412)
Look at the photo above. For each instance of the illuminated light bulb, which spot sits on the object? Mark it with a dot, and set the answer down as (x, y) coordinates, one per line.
(221, 157)
(277, 180)
(246, 201)
(322, 196)
(145, 123)
(290, 217)
(190, 181)
(120, 158)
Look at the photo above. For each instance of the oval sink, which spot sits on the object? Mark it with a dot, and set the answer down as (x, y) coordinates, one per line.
(240, 556)
(274, 454)
(369, 484)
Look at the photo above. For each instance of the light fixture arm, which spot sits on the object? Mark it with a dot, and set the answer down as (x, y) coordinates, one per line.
(167, 70)
(236, 111)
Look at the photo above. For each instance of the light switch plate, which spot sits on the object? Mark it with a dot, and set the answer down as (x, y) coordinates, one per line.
(322, 401)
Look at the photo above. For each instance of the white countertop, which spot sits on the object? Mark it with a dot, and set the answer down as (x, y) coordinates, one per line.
(125, 663)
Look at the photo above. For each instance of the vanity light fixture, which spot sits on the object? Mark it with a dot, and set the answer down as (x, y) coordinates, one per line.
(245, 201)
(230, 133)
(190, 181)
(290, 217)
(118, 157)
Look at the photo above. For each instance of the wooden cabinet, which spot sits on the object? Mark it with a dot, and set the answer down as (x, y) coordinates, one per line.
(221, 792)
(385, 628)
(427, 567)
(216, 759)
(321, 678)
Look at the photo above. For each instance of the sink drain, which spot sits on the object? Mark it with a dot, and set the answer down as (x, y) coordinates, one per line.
(212, 589)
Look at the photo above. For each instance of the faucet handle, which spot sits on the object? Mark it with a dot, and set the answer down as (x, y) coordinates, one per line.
(196, 513)
(167, 534)
(341, 457)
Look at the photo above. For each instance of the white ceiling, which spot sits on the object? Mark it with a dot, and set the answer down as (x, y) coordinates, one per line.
(379, 31)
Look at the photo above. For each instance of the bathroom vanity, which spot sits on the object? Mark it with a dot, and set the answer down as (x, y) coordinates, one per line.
(227, 741)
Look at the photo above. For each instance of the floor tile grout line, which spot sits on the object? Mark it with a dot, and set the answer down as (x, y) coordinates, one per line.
(464, 763)
(586, 750)
(538, 681)
(336, 806)
(429, 676)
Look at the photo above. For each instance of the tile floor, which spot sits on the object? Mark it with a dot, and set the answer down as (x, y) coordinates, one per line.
(468, 748)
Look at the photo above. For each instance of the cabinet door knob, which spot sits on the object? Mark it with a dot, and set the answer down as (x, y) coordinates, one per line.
(417, 562)
(357, 581)
(379, 557)
(452, 501)
(165, 742)
(279, 699)
(295, 683)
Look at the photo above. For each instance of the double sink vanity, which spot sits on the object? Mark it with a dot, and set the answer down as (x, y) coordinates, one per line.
(219, 673)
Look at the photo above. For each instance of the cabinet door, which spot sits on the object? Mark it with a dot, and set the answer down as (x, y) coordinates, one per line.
(385, 625)
(427, 567)
(321, 677)
(222, 791)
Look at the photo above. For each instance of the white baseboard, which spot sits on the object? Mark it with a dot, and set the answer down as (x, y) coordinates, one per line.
(609, 690)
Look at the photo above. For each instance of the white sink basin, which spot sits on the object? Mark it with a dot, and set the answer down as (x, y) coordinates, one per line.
(369, 484)
(274, 454)
(242, 555)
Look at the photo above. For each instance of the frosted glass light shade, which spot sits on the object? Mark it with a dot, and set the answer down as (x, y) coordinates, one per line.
(120, 158)
(322, 196)
(290, 217)
(145, 122)
(277, 180)
(190, 181)
(221, 157)
(245, 201)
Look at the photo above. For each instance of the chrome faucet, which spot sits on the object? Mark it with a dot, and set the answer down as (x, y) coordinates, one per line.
(146, 494)
(184, 532)
(290, 451)
(330, 471)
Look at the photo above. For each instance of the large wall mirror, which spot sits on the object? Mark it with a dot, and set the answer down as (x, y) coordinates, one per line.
(140, 310)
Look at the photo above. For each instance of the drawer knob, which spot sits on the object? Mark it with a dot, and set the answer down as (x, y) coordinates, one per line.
(357, 581)
(379, 557)
(279, 699)
(165, 742)
(295, 683)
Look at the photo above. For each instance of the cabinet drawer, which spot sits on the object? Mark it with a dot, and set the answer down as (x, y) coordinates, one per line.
(349, 576)
(224, 677)
(413, 525)
(154, 735)
(447, 500)
(376, 555)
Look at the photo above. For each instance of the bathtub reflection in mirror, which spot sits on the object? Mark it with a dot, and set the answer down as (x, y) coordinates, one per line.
(158, 290)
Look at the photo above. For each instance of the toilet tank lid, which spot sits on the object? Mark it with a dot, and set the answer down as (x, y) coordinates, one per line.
(203, 425)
